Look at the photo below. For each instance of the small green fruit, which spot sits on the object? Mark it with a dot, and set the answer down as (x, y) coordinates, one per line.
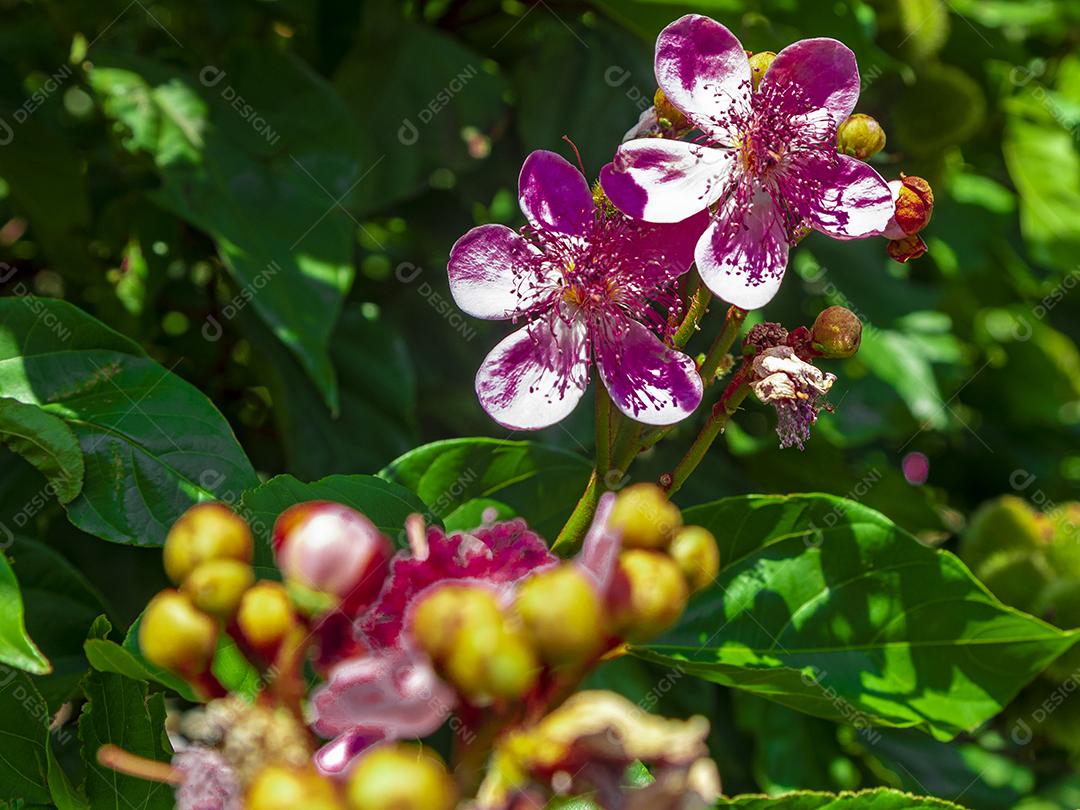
(695, 551)
(206, 531)
(400, 777)
(176, 635)
(645, 516)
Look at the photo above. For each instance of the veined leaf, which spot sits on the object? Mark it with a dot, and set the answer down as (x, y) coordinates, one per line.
(46, 442)
(877, 799)
(830, 608)
(152, 443)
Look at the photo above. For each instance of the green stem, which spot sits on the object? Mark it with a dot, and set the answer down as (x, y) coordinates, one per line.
(721, 413)
(603, 429)
(732, 326)
(578, 523)
(699, 302)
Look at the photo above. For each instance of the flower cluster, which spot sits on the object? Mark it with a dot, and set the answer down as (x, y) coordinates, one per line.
(484, 631)
(738, 159)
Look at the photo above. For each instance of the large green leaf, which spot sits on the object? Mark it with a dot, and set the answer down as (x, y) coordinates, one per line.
(385, 504)
(45, 441)
(16, 648)
(121, 712)
(153, 444)
(24, 740)
(877, 799)
(264, 183)
(60, 609)
(828, 607)
(542, 483)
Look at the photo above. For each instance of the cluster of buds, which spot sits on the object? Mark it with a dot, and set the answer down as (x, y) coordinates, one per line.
(778, 368)
(487, 627)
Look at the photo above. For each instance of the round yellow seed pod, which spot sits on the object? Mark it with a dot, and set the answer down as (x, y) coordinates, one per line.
(206, 531)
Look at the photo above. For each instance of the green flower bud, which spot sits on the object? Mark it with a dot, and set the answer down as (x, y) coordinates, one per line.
(177, 636)
(649, 594)
(837, 332)
(217, 586)
(695, 551)
(206, 531)
(860, 136)
(645, 516)
(400, 776)
(562, 615)
(759, 63)
(278, 787)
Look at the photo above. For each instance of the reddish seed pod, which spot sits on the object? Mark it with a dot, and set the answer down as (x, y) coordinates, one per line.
(332, 550)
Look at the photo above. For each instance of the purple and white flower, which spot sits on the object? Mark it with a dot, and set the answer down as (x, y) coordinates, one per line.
(592, 287)
(765, 162)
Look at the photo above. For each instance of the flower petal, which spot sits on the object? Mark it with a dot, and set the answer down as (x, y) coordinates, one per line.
(703, 70)
(647, 381)
(661, 180)
(850, 199)
(816, 80)
(601, 547)
(536, 375)
(338, 755)
(667, 248)
(554, 196)
(394, 694)
(492, 273)
(742, 256)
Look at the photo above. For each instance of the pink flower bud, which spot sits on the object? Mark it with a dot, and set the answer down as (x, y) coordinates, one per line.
(332, 550)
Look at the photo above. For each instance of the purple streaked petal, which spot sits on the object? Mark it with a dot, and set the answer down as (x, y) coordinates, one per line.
(554, 196)
(535, 376)
(492, 273)
(702, 69)
(668, 247)
(816, 81)
(852, 200)
(661, 180)
(394, 694)
(742, 256)
(647, 381)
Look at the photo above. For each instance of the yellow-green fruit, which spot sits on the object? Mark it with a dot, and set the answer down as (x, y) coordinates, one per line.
(650, 594)
(400, 777)
(176, 635)
(266, 614)
(278, 787)
(466, 662)
(217, 586)
(759, 63)
(1005, 544)
(562, 615)
(512, 669)
(695, 551)
(1064, 552)
(645, 516)
(440, 615)
(206, 531)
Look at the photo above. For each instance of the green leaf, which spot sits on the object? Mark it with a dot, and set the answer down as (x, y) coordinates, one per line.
(385, 504)
(24, 740)
(121, 712)
(378, 398)
(541, 482)
(16, 648)
(828, 607)
(46, 442)
(266, 186)
(152, 443)
(901, 362)
(876, 799)
(60, 609)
